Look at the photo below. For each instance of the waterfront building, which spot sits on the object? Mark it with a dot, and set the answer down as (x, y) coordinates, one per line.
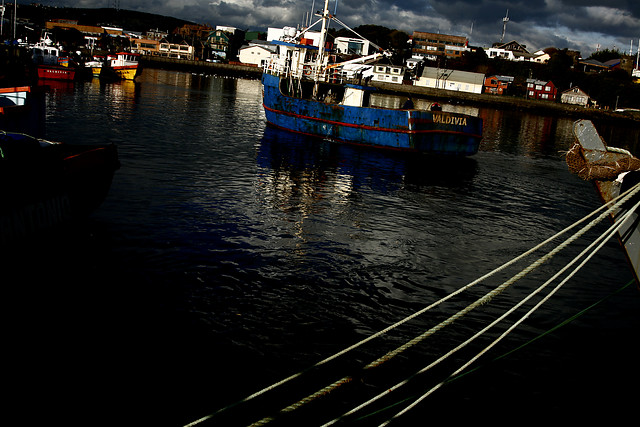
(574, 96)
(145, 46)
(178, 49)
(434, 45)
(218, 42)
(388, 73)
(539, 89)
(442, 78)
(224, 43)
(497, 85)
(256, 53)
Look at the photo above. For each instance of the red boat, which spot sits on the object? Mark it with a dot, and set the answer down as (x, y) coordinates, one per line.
(56, 72)
(50, 61)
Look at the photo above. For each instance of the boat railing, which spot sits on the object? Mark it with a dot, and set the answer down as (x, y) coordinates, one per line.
(307, 71)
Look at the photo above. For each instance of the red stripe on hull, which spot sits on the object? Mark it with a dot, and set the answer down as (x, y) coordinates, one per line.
(407, 131)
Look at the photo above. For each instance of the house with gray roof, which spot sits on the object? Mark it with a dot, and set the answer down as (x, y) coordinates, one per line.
(442, 78)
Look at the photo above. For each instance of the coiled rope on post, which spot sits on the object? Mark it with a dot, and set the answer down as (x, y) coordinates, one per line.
(608, 209)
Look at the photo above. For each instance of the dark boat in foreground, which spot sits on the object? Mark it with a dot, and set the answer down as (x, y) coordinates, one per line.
(614, 171)
(50, 184)
(302, 93)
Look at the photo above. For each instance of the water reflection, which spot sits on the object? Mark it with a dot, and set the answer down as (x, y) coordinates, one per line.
(120, 96)
(525, 134)
(296, 166)
(535, 135)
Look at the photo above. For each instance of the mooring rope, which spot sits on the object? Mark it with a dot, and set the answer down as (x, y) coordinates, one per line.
(600, 241)
(503, 355)
(610, 233)
(481, 301)
(490, 295)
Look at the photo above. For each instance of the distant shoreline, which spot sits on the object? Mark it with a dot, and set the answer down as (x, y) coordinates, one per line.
(441, 95)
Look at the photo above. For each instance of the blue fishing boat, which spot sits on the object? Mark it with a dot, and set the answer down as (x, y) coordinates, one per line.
(303, 92)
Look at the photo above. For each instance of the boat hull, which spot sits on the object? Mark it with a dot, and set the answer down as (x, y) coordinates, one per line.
(406, 130)
(120, 72)
(52, 184)
(55, 72)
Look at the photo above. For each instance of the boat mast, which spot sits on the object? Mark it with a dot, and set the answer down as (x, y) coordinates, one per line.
(323, 39)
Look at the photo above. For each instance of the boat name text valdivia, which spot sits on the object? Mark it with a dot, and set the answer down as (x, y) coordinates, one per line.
(449, 120)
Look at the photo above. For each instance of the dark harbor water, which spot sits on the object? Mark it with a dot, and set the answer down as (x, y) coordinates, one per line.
(229, 256)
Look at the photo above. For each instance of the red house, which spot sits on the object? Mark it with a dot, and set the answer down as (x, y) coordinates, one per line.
(497, 84)
(538, 89)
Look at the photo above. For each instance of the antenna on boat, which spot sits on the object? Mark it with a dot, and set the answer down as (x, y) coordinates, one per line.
(335, 10)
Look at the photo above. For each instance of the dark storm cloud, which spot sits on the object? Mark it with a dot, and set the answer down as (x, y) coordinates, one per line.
(576, 24)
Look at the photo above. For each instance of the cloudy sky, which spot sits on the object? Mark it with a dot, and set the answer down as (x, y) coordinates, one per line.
(583, 25)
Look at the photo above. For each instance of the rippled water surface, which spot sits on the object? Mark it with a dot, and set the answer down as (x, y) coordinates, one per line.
(229, 255)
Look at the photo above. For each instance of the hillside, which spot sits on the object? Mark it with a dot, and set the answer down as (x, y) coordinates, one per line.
(126, 19)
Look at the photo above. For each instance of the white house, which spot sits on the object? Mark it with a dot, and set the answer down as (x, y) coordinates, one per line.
(574, 96)
(388, 73)
(541, 57)
(512, 51)
(180, 50)
(510, 55)
(440, 78)
(255, 54)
